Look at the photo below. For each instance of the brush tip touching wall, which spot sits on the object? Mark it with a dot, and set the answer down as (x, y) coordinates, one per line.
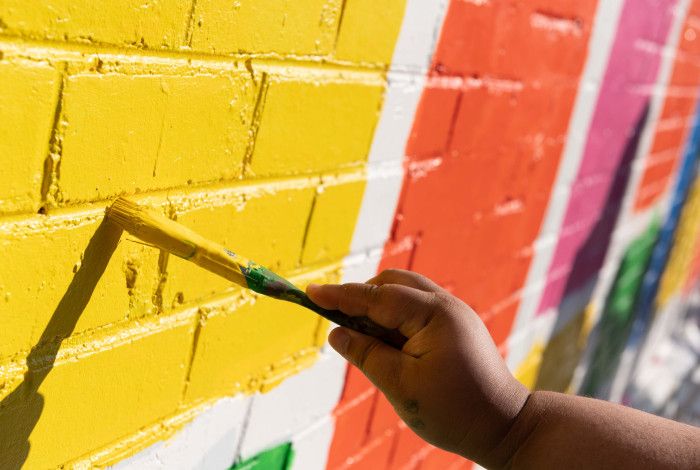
(153, 228)
(124, 213)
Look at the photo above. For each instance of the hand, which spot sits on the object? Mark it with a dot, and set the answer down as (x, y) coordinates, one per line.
(449, 383)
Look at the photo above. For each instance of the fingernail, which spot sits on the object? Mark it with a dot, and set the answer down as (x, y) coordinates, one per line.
(339, 340)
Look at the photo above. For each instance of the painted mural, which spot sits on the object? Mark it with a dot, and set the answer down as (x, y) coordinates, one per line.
(538, 159)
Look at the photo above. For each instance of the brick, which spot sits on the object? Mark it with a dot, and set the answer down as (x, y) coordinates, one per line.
(433, 122)
(677, 107)
(156, 131)
(531, 42)
(368, 30)
(67, 272)
(243, 347)
(264, 223)
(316, 123)
(668, 139)
(302, 27)
(332, 223)
(148, 23)
(94, 393)
(27, 103)
(351, 421)
(467, 37)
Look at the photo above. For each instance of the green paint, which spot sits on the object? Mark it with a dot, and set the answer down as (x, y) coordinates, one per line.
(263, 281)
(619, 312)
(277, 458)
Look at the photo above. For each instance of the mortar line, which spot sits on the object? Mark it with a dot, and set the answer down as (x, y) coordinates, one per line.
(341, 16)
(244, 428)
(55, 149)
(255, 123)
(193, 351)
(308, 226)
(127, 54)
(453, 122)
(189, 29)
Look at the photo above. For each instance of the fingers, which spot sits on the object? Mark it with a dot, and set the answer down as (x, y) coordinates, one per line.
(391, 305)
(379, 362)
(405, 278)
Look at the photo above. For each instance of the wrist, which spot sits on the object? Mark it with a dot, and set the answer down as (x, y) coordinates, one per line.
(522, 427)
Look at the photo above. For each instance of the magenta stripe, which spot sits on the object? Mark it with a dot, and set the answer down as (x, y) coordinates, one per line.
(620, 115)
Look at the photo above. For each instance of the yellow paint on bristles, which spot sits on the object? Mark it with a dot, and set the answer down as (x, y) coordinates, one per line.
(177, 239)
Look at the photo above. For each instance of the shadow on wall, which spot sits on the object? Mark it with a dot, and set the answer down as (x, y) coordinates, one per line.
(556, 372)
(21, 409)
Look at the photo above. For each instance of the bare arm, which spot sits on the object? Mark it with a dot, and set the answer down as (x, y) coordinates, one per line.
(451, 386)
(554, 430)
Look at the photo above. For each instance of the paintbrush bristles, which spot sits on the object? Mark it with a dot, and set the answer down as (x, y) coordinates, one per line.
(153, 228)
(177, 239)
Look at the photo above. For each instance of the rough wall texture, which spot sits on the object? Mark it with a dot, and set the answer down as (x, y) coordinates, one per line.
(537, 158)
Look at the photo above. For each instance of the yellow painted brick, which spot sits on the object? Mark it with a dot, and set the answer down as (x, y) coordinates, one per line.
(301, 27)
(263, 223)
(114, 387)
(369, 30)
(529, 369)
(251, 347)
(28, 94)
(150, 23)
(134, 133)
(315, 123)
(68, 273)
(333, 220)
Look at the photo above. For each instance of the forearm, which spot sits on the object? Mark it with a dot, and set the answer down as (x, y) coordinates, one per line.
(560, 431)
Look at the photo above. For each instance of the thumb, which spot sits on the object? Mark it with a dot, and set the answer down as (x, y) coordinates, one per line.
(378, 361)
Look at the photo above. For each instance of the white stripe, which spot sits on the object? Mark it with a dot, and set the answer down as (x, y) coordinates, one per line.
(208, 442)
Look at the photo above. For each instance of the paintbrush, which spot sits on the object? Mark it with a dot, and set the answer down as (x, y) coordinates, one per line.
(175, 238)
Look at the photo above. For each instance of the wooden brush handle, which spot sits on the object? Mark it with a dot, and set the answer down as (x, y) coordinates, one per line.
(363, 325)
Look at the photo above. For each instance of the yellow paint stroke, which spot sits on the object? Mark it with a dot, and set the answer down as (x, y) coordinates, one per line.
(679, 263)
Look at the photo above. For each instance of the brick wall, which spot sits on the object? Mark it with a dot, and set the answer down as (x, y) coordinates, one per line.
(522, 154)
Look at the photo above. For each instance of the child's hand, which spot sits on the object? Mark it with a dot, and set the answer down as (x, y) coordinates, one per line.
(449, 383)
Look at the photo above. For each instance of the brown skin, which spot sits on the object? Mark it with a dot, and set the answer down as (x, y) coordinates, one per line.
(451, 386)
